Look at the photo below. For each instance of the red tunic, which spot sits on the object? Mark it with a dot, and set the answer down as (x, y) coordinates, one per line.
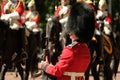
(59, 8)
(35, 18)
(108, 19)
(2, 7)
(19, 8)
(72, 59)
(57, 11)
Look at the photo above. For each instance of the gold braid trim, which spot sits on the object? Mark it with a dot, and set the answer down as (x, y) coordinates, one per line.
(17, 5)
(13, 9)
(108, 49)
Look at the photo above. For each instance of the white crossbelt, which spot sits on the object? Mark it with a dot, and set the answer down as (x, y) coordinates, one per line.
(73, 74)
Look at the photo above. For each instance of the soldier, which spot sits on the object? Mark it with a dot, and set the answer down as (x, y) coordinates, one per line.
(103, 28)
(75, 57)
(103, 23)
(63, 11)
(32, 17)
(12, 11)
(103, 16)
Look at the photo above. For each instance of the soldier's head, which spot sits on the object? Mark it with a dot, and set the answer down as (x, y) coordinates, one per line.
(64, 2)
(31, 5)
(81, 22)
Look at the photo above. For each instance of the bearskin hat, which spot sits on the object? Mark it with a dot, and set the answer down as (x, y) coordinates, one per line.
(81, 21)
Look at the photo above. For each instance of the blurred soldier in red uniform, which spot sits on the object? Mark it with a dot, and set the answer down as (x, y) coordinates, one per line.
(63, 11)
(75, 57)
(31, 17)
(104, 16)
(103, 28)
(12, 11)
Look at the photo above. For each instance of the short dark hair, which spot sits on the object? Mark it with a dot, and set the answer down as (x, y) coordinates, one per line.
(81, 21)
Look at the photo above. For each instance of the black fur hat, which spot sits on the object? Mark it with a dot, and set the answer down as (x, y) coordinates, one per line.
(81, 21)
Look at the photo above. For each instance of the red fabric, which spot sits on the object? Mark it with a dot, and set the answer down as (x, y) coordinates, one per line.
(20, 10)
(57, 11)
(2, 7)
(24, 16)
(35, 19)
(96, 25)
(74, 59)
(109, 19)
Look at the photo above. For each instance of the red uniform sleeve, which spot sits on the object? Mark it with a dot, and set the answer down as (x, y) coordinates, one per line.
(37, 18)
(109, 19)
(20, 8)
(57, 11)
(62, 65)
(2, 7)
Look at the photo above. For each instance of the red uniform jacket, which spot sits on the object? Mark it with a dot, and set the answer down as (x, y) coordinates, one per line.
(74, 58)
(58, 11)
(108, 19)
(35, 18)
(19, 8)
(2, 7)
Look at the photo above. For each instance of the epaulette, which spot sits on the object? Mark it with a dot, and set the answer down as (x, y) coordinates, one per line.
(72, 44)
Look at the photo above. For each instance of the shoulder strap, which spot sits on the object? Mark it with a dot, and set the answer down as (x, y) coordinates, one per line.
(72, 44)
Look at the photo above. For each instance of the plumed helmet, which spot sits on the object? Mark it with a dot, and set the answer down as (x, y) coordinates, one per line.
(81, 21)
(102, 4)
(89, 1)
(31, 4)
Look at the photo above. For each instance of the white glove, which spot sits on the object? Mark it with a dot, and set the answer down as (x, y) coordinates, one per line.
(99, 14)
(15, 26)
(30, 25)
(49, 19)
(35, 30)
(97, 32)
(63, 20)
(107, 30)
(14, 15)
(106, 22)
(5, 17)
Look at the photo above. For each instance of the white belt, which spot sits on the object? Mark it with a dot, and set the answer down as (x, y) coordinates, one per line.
(73, 74)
